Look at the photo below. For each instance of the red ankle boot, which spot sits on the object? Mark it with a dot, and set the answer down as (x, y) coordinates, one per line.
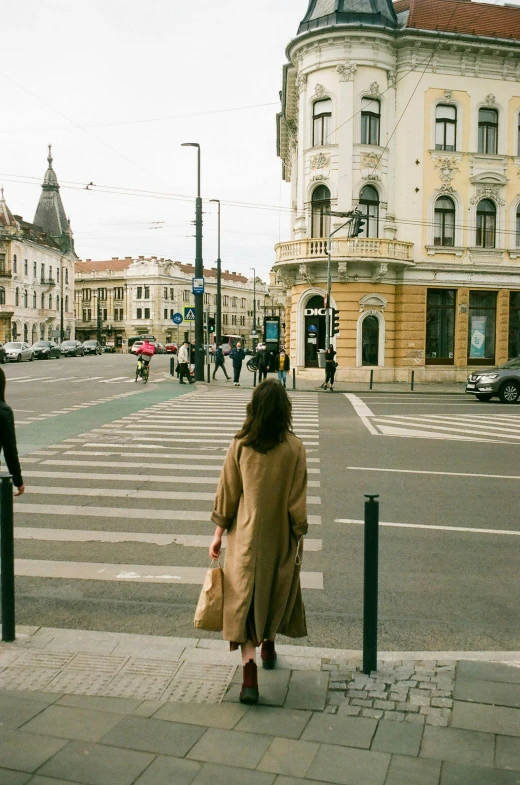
(268, 655)
(249, 692)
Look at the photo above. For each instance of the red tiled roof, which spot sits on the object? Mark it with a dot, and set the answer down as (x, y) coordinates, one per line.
(463, 16)
(401, 5)
(116, 265)
(189, 269)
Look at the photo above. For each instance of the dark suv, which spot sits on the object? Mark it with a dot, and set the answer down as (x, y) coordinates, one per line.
(92, 347)
(502, 382)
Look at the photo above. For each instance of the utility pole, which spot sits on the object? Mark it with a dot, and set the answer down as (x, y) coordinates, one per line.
(218, 313)
(199, 273)
(254, 308)
(350, 216)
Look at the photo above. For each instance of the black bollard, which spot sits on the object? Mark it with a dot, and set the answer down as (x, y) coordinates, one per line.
(294, 378)
(172, 366)
(7, 557)
(413, 380)
(371, 583)
(371, 379)
(254, 378)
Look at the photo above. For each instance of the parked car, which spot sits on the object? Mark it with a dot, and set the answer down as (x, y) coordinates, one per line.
(108, 348)
(92, 347)
(46, 350)
(160, 348)
(72, 349)
(16, 351)
(171, 348)
(2, 354)
(135, 346)
(502, 382)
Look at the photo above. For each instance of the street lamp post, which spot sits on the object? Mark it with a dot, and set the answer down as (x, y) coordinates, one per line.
(254, 308)
(199, 273)
(218, 313)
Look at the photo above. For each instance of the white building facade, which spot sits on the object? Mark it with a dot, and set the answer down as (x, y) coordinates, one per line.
(410, 113)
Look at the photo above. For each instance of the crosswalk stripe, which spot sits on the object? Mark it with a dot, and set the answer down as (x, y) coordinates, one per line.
(468, 430)
(90, 379)
(133, 573)
(61, 379)
(134, 465)
(114, 379)
(29, 380)
(118, 493)
(150, 538)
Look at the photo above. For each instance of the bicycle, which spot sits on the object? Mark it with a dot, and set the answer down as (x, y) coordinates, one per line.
(142, 370)
(252, 364)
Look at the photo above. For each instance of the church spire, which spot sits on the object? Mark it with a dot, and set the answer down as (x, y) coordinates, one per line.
(50, 213)
(6, 216)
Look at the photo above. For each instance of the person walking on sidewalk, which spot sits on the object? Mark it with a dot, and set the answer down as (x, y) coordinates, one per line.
(8, 439)
(330, 368)
(261, 504)
(237, 357)
(184, 363)
(282, 365)
(219, 361)
(263, 361)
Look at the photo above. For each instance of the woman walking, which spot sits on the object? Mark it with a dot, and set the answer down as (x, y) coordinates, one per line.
(8, 439)
(261, 503)
(330, 368)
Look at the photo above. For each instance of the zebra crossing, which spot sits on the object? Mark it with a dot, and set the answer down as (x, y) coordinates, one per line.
(75, 379)
(503, 427)
(130, 501)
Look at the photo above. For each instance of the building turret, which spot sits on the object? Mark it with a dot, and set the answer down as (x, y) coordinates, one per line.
(50, 213)
(331, 13)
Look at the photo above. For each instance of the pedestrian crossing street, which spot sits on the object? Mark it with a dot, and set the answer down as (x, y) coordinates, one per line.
(502, 427)
(130, 501)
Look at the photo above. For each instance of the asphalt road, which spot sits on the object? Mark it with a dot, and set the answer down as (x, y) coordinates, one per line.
(121, 466)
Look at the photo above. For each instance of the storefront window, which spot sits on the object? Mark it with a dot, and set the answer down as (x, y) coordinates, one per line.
(482, 323)
(514, 325)
(440, 326)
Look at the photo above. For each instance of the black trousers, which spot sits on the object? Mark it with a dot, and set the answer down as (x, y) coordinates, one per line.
(330, 370)
(184, 371)
(220, 365)
(236, 373)
(262, 373)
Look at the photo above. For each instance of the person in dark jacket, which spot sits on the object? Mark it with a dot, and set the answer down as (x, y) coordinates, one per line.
(330, 368)
(219, 361)
(282, 364)
(263, 361)
(237, 355)
(8, 439)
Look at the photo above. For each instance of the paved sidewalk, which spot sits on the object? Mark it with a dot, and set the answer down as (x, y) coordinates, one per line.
(313, 385)
(116, 709)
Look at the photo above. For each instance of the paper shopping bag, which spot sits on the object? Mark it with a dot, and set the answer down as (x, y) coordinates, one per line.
(209, 613)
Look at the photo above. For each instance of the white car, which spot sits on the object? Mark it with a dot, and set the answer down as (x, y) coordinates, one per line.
(135, 346)
(16, 351)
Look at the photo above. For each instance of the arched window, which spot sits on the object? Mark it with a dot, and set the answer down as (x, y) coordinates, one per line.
(25, 298)
(49, 333)
(444, 222)
(34, 269)
(321, 122)
(50, 301)
(15, 265)
(34, 299)
(320, 207)
(42, 332)
(370, 340)
(42, 301)
(445, 127)
(66, 303)
(17, 296)
(66, 275)
(26, 333)
(486, 224)
(57, 302)
(370, 120)
(369, 207)
(488, 131)
(518, 226)
(2, 295)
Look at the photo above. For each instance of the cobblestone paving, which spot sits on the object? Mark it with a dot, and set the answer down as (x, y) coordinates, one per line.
(419, 692)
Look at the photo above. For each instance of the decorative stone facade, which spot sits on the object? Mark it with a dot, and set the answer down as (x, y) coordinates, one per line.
(369, 103)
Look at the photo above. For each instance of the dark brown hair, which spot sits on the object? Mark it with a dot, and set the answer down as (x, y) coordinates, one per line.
(2, 386)
(268, 418)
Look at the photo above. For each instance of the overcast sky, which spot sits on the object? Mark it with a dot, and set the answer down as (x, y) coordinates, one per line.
(116, 87)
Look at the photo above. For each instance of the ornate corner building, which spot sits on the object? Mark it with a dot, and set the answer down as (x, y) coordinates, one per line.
(410, 113)
(37, 269)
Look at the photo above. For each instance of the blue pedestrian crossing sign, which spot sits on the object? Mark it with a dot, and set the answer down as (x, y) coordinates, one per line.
(177, 318)
(189, 314)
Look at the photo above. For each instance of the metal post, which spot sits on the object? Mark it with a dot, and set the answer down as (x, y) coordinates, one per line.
(172, 366)
(294, 378)
(7, 557)
(199, 273)
(413, 380)
(254, 378)
(218, 313)
(371, 379)
(370, 583)
(62, 334)
(329, 286)
(254, 310)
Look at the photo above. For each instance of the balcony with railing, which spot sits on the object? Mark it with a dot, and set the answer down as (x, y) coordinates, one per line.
(5, 272)
(47, 282)
(342, 247)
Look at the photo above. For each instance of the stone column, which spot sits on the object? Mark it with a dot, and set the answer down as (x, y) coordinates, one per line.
(461, 328)
(502, 327)
(345, 134)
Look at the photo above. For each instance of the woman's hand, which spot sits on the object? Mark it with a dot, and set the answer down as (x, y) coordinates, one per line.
(20, 491)
(215, 547)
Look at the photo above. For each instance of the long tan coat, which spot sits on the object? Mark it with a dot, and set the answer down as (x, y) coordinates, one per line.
(261, 501)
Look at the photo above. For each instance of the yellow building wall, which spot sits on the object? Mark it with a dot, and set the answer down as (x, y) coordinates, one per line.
(410, 331)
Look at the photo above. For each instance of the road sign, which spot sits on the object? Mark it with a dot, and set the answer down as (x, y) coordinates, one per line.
(177, 318)
(189, 313)
(197, 285)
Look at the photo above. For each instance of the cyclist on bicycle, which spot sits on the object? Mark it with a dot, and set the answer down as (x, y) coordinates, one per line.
(145, 353)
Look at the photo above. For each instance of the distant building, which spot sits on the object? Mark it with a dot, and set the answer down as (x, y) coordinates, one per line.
(37, 269)
(122, 298)
(408, 112)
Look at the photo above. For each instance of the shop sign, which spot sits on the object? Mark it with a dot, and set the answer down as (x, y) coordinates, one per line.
(315, 312)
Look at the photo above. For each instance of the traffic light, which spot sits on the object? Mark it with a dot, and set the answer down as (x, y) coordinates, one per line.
(335, 321)
(358, 224)
(211, 324)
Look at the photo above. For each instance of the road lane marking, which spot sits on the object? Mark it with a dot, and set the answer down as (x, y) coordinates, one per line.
(130, 573)
(433, 527)
(29, 380)
(449, 430)
(88, 379)
(134, 465)
(150, 538)
(441, 474)
(363, 412)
